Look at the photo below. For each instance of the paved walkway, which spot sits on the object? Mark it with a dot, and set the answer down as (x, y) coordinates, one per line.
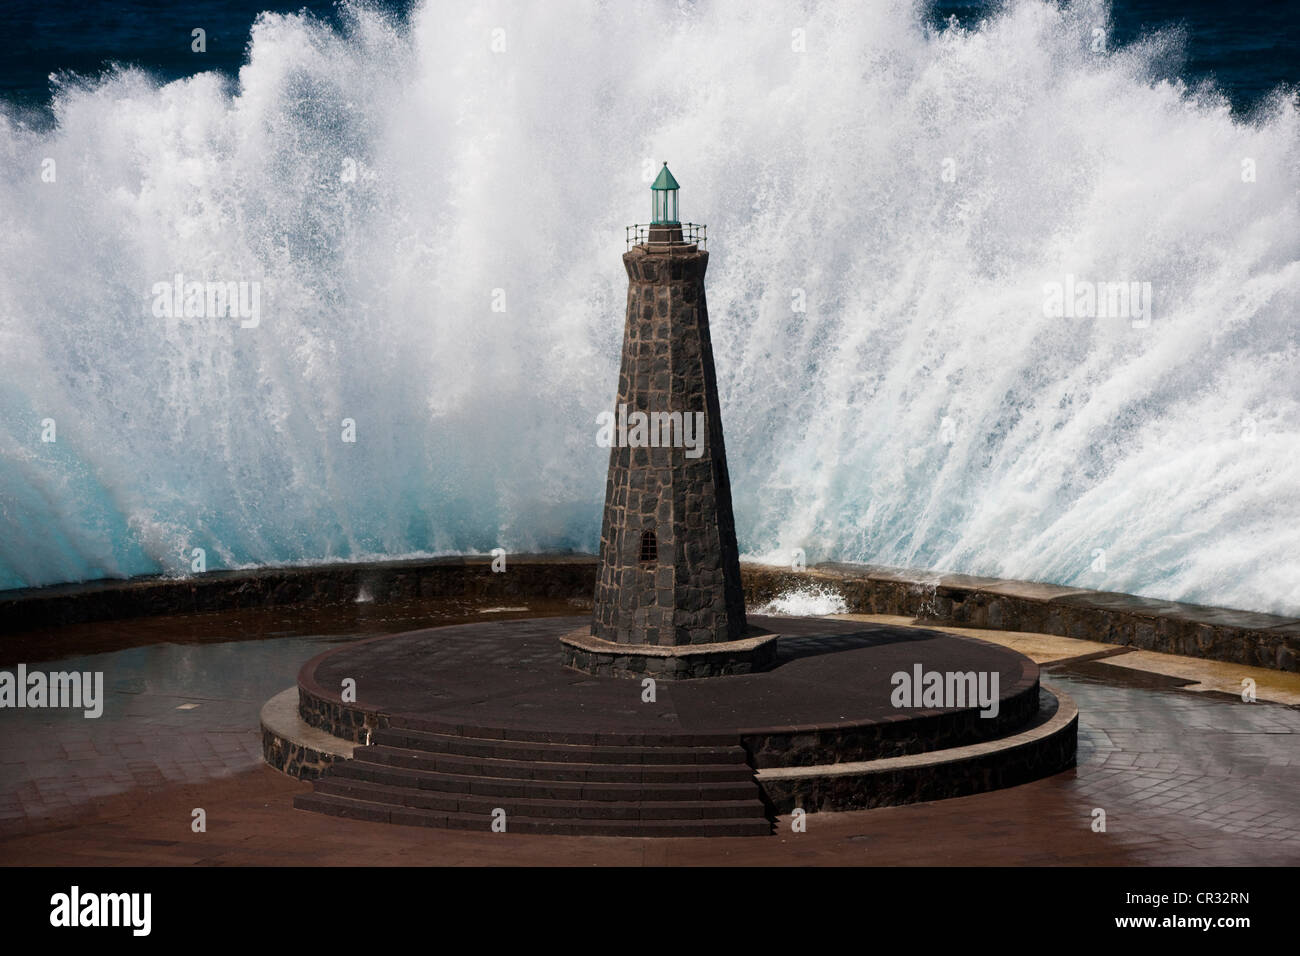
(1186, 774)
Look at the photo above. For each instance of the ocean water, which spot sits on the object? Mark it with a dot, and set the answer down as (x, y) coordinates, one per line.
(432, 200)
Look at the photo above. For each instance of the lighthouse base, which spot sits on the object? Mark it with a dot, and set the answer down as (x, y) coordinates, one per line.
(471, 725)
(582, 651)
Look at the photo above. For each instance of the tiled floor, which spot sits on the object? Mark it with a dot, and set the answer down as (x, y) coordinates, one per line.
(1184, 777)
(52, 761)
(1231, 767)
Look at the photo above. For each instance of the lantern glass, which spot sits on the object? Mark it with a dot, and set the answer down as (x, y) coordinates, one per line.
(663, 199)
(664, 206)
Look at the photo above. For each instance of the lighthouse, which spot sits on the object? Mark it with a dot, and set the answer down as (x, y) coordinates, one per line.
(668, 596)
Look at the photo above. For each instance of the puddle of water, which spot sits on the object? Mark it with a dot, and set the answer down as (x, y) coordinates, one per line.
(332, 623)
(1100, 672)
(212, 671)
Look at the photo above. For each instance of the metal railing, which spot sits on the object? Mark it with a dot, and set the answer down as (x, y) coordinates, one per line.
(691, 232)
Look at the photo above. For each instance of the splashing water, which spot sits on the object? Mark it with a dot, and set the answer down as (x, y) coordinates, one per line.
(807, 601)
(389, 185)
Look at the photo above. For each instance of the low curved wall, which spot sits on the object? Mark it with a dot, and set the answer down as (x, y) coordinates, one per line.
(1039, 751)
(550, 576)
(1240, 637)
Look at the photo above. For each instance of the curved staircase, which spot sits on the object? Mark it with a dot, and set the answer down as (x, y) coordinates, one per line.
(417, 772)
(429, 746)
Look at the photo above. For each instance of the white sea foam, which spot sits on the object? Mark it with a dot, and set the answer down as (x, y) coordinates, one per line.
(807, 601)
(923, 412)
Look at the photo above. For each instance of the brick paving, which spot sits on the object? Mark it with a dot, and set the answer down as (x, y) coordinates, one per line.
(1185, 778)
(1229, 766)
(53, 762)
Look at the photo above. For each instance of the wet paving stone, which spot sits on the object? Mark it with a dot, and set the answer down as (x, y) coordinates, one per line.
(1185, 778)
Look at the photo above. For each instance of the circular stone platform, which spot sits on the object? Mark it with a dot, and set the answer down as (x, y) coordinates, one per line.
(829, 676)
(456, 723)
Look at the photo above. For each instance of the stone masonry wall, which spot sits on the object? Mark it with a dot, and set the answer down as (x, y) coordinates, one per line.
(690, 592)
(1243, 637)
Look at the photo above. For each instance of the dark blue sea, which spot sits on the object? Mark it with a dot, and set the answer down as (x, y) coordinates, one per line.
(1248, 48)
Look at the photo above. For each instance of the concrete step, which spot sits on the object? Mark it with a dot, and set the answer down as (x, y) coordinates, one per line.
(588, 739)
(540, 808)
(437, 743)
(554, 770)
(354, 809)
(1044, 746)
(547, 789)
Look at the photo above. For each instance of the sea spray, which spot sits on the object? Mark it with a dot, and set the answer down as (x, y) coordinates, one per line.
(435, 216)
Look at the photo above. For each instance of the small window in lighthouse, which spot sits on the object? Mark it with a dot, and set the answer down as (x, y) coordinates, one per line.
(649, 546)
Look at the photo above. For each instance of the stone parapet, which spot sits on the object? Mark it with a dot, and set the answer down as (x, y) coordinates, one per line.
(1170, 627)
(557, 576)
(1223, 634)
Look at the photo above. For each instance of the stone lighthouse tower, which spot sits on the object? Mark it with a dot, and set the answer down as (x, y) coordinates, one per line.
(668, 594)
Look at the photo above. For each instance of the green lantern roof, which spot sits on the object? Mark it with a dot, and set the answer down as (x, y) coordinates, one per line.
(665, 180)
